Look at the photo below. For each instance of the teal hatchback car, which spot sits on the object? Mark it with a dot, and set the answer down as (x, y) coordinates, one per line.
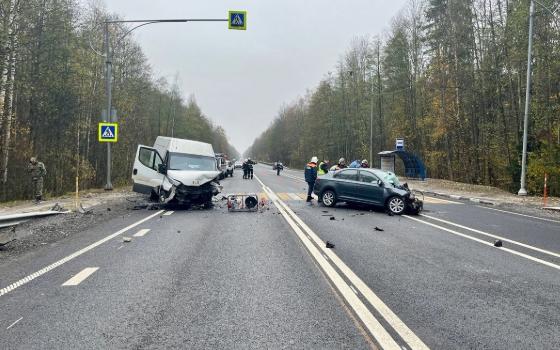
(367, 186)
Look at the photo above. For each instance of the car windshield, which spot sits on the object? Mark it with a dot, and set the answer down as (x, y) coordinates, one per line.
(387, 176)
(181, 161)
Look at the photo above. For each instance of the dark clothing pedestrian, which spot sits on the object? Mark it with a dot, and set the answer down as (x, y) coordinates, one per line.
(37, 171)
(310, 177)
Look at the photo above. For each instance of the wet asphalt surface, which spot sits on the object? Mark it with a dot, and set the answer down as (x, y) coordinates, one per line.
(209, 279)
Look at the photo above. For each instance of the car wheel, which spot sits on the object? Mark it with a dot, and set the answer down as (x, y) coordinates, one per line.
(328, 198)
(396, 205)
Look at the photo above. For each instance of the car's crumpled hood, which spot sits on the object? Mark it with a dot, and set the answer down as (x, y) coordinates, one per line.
(192, 178)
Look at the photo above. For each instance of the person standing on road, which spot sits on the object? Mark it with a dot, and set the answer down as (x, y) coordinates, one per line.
(341, 165)
(38, 172)
(323, 167)
(355, 164)
(364, 164)
(250, 168)
(279, 167)
(311, 176)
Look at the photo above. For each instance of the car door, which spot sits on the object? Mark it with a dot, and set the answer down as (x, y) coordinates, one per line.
(145, 175)
(346, 183)
(369, 189)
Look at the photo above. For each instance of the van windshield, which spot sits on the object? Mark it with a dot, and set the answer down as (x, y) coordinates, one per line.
(181, 161)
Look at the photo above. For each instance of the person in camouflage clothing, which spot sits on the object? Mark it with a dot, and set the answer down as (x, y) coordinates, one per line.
(37, 171)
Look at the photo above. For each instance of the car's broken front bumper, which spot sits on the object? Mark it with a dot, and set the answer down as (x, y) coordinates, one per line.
(415, 205)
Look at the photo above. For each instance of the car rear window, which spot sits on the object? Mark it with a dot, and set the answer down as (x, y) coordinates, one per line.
(350, 174)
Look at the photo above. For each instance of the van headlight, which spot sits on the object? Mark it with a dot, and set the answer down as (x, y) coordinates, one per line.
(174, 182)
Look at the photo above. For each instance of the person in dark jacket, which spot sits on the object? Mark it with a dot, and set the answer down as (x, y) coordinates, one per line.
(311, 176)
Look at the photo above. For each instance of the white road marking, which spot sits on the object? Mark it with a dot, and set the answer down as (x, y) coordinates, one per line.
(142, 232)
(354, 289)
(13, 324)
(80, 276)
(434, 200)
(121, 247)
(54, 265)
(167, 213)
(494, 236)
(371, 323)
(525, 215)
(294, 196)
(515, 252)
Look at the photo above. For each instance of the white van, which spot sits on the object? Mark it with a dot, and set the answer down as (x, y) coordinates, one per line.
(178, 170)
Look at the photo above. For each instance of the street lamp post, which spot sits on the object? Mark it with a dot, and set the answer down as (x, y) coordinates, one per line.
(523, 189)
(109, 66)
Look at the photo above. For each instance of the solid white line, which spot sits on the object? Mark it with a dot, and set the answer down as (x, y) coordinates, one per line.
(13, 324)
(540, 261)
(427, 199)
(53, 266)
(494, 236)
(514, 213)
(141, 233)
(371, 323)
(167, 213)
(354, 289)
(80, 276)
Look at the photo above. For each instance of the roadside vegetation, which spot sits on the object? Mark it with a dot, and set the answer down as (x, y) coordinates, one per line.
(449, 76)
(52, 94)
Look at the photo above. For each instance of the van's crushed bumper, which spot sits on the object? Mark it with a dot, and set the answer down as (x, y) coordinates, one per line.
(194, 194)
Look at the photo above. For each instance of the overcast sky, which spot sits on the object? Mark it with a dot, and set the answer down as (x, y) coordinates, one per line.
(242, 78)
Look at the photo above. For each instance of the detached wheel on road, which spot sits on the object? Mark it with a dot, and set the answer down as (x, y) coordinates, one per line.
(396, 205)
(329, 198)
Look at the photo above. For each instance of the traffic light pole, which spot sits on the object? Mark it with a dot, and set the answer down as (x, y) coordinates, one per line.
(109, 67)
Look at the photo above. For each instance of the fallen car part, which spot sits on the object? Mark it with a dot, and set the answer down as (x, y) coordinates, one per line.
(243, 202)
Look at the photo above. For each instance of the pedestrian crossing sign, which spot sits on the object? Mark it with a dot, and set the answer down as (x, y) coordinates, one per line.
(108, 132)
(237, 20)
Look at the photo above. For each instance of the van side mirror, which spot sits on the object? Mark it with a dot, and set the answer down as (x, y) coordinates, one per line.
(162, 169)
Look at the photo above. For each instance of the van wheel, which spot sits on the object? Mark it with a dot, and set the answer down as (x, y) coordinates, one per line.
(328, 198)
(396, 205)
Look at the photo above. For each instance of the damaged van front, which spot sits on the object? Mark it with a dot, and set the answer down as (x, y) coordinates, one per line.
(177, 171)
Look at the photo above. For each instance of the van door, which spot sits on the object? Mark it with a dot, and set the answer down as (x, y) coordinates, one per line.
(145, 174)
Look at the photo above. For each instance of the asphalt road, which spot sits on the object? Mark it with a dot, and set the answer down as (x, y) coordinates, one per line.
(205, 279)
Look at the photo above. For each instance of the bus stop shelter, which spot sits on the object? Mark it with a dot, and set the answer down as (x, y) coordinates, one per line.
(413, 165)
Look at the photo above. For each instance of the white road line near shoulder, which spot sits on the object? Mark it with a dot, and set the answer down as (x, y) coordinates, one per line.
(548, 252)
(519, 214)
(434, 200)
(141, 233)
(294, 196)
(346, 290)
(54, 265)
(515, 252)
(167, 213)
(80, 276)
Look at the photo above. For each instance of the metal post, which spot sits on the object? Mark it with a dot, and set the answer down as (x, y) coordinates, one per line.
(108, 81)
(371, 125)
(523, 190)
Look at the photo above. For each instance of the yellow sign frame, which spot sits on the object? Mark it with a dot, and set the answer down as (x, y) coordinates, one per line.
(235, 27)
(99, 136)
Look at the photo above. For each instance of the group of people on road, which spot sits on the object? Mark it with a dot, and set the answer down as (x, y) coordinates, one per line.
(312, 170)
(247, 168)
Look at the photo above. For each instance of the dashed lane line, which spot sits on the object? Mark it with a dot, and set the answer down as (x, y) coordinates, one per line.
(141, 233)
(13, 324)
(515, 252)
(62, 261)
(80, 276)
(167, 213)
